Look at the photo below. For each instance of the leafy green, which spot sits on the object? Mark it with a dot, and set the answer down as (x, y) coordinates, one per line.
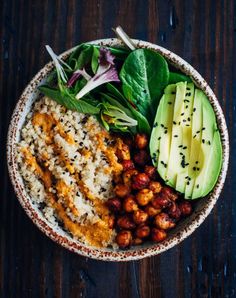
(175, 77)
(143, 124)
(67, 100)
(144, 75)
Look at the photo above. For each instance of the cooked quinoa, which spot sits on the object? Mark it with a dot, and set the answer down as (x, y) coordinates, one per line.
(68, 163)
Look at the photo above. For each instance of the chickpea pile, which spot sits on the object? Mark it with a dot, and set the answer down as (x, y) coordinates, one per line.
(143, 208)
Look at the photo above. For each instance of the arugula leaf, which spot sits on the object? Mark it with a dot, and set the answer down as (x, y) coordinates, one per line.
(144, 75)
(68, 101)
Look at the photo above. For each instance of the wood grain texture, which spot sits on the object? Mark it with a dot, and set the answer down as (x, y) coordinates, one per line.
(203, 32)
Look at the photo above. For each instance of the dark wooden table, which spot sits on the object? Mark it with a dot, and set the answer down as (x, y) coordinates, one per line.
(203, 33)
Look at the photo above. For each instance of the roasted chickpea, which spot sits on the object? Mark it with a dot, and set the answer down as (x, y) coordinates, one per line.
(114, 204)
(125, 222)
(174, 211)
(151, 211)
(129, 204)
(141, 157)
(111, 221)
(151, 172)
(124, 239)
(127, 176)
(155, 186)
(163, 221)
(158, 235)
(128, 141)
(144, 196)
(127, 165)
(122, 190)
(170, 193)
(160, 201)
(141, 140)
(123, 152)
(142, 231)
(140, 181)
(137, 241)
(185, 208)
(140, 217)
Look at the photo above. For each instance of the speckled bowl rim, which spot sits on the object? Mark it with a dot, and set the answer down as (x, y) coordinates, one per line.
(107, 254)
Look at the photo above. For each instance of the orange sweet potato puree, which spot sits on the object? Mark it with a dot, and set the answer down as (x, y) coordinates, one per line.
(95, 234)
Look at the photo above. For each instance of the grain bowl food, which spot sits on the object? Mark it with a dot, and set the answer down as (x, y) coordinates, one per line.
(68, 163)
(116, 149)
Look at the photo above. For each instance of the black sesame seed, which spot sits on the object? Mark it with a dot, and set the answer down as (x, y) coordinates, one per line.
(186, 100)
(198, 131)
(203, 128)
(198, 169)
(184, 120)
(189, 119)
(188, 183)
(194, 109)
(162, 125)
(196, 162)
(159, 138)
(165, 132)
(173, 92)
(175, 136)
(155, 124)
(185, 147)
(187, 164)
(188, 88)
(197, 186)
(186, 107)
(180, 146)
(174, 123)
(194, 168)
(203, 141)
(194, 136)
(169, 103)
(182, 114)
(209, 143)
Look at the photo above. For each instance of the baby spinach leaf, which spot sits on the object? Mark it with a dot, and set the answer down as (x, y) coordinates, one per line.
(144, 75)
(68, 101)
(175, 77)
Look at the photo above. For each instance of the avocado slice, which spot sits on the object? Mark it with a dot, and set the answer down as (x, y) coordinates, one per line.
(175, 157)
(166, 128)
(154, 143)
(190, 152)
(162, 122)
(210, 154)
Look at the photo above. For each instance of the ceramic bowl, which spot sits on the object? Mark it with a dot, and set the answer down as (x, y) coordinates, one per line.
(184, 228)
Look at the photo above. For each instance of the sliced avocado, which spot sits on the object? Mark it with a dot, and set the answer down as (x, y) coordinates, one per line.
(210, 157)
(158, 127)
(166, 126)
(194, 118)
(175, 156)
(156, 134)
(213, 170)
(190, 152)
